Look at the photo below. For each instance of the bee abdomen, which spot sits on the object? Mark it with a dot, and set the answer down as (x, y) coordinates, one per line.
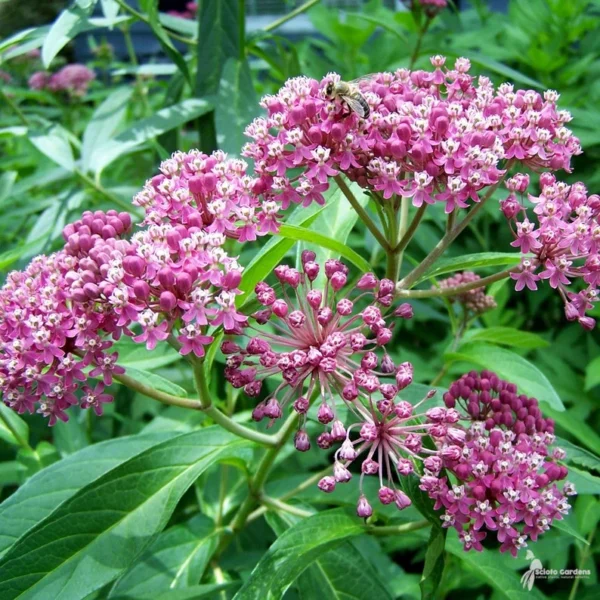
(365, 106)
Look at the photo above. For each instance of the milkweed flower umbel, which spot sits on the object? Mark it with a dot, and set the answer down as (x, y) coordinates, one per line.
(475, 300)
(503, 476)
(561, 244)
(433, 136)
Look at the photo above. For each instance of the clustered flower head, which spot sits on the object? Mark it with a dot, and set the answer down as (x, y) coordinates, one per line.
(214, 192)
(49, 335)
(73, 79)
(561, 244)
(434, 136)
(500, 475)
(475, 300)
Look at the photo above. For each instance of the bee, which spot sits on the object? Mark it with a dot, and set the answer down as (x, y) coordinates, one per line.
(350, 95)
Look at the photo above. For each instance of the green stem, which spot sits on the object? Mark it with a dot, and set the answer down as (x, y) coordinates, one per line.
(362, 213)
(276, 504)
(204, 405)
(256, 483)
(396, 529)
(584, 556)
(455, 291)
(417, 49)
(446, 240)
(103, 191)
(15, 107)
(410, 232)
(292, 14)
(141, 17)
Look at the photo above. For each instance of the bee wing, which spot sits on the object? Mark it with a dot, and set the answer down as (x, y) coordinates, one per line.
(361, 79)
(355, 106)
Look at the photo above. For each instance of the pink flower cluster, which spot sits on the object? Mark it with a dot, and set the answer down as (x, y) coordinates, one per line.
(438, 136)
(214, 192)
(324, 343)
(561, 244)
(501, 475)
(49, 335)
(475, 300)
(73, 79)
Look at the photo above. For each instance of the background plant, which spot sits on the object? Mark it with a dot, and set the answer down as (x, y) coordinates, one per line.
(62, 155)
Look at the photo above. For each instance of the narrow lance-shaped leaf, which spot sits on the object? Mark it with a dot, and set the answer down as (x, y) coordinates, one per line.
(93, 537)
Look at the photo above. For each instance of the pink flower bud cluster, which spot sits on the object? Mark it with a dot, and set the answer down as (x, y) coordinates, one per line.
(50, 332)
(212, 191)
(191, 8)
(476, 300)
(561, 244)
(504, 474)
(323, 342)
(73, 79)
(438, 136)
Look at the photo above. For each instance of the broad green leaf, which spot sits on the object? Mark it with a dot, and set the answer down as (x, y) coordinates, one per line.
(11, 472)
(146, 129)
(69, 23)
(134, 355)
(21, 39)
(55, 146)
(576, 427)
(235, 106)
(471, 262)
(504, 70)
(505, 336)
(579, 456)
(495, 569)
(150, 7)
(585, 483)
(221, 37)
(342, 573)
(156, 381)
(508, 365)
(46, 490)
(433, 568)
(303, 234)
(16, 131)
(297, 549)
(592, 374)
(7, 180)
(110, 9)
(12, 428)
(187, 27)
(152, 70)
(92, 538)
(104, 123)
(176, 559)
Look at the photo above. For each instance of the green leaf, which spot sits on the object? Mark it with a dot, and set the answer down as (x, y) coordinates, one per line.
(579, 456)
(504, 70)
(136, 356)
(104, 123)
(110, 9)
(576, 427)
(7, 180)
(109, 522)
(156, 381)
(194, 592)
(69, 23)
(221, 37)
(585, 483)
(46, 490)
(341, 573)
(434, 562)
(235, 106)
(303, 234)
(495, 569)
(146, 129)
(55, 146)
(297, 549)
(569, 530)
(21, 38)
(506, 336)
(150, 7)
(177, 559)
(592, 374)
(13, 429)
(512, 367)
(472, 262)
(187, 27)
